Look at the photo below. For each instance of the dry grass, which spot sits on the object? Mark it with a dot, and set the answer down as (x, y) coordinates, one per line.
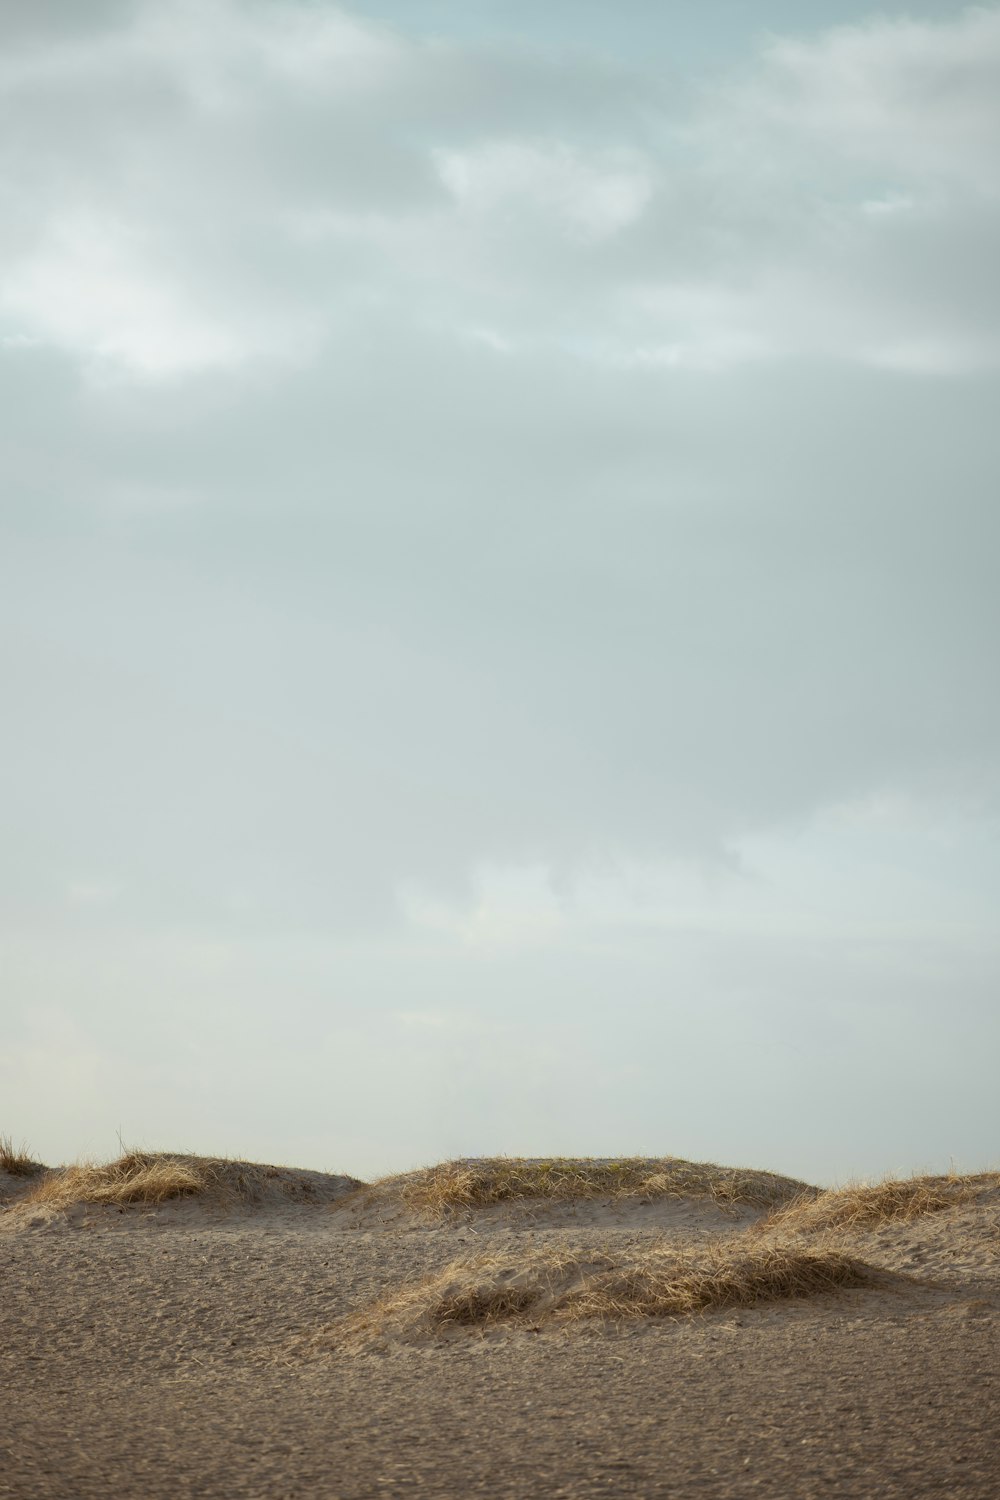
(15, 1159)
(639, 1283)
(146, 1177)
(133, 1178)
(872, 1205)
(455, 1186)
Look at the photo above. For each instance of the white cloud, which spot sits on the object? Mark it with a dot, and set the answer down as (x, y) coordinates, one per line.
(898, 96)
(92, 287)
(218, 51)
(239, 179)
(556, 540)
(594, 197)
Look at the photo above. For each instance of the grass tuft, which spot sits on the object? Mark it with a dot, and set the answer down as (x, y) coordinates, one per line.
(455, 1186)
(134, 1178)
(15, 1159)
(873, 1205)
(640, 1283)
(146, 1177)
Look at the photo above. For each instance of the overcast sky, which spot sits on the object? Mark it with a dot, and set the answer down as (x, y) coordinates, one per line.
(498, 580)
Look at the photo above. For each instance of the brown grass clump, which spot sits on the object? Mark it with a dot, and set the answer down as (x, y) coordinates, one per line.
(462, 1185)
(134, 1178)
(147, 1177)
(640, 1283)
(873, 1205)
(16, 1161)
(726, 1276)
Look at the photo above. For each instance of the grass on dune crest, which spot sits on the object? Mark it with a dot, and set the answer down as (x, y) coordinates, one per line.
(652, 1281)
(458, 1185)
(15, 1159)
(148, 1177)
(870, 1205)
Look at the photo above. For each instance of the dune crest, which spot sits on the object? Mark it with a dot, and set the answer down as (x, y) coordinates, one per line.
(144, 1180)
(555, 1190)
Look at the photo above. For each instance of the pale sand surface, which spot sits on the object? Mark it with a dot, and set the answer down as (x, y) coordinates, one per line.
(160, 1353)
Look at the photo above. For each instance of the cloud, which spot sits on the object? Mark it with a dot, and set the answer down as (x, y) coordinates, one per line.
(899, 95)
(90, 288)
(860, 163)
(593, 199)
(195, 185)
(422, 454)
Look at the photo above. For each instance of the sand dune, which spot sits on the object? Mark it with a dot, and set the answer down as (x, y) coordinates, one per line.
(552, 1284)
(179, 1325)
(145, 1183)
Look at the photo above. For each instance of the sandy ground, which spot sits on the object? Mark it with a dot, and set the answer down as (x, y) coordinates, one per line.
(153, 1353)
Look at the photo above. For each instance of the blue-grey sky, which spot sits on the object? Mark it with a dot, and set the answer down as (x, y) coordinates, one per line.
(498, 605)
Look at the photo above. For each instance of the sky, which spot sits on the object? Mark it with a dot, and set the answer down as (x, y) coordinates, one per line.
(498, 581)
